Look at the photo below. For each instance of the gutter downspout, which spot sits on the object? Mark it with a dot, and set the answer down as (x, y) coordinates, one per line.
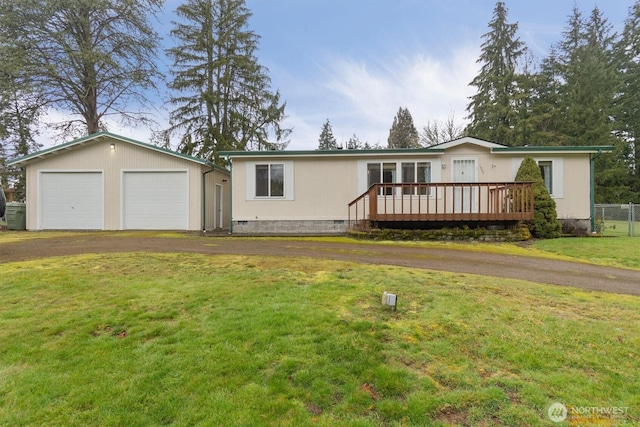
(204, 199)
(228, 159)
(592, 172)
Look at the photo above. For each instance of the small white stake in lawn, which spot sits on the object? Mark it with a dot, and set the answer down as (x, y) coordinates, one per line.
(390, 300)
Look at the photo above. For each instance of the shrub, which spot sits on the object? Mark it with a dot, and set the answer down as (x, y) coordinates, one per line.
(574, 227)
(545, 223)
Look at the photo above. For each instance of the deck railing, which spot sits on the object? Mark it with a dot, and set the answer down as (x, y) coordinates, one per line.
(469, 201)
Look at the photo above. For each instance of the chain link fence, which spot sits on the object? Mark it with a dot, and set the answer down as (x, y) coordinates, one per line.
(618, 220)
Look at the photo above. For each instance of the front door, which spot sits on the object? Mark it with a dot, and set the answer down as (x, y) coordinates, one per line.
(218, 207)
(465, 198)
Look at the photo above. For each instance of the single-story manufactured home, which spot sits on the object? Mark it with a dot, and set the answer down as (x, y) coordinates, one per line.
(467, 181)
(108, 182)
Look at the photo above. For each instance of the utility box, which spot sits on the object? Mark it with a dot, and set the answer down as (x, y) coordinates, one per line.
(16, 216)
(390, 300)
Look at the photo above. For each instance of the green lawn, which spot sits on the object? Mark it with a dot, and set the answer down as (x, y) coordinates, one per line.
(177, 339)
(620, 228)
(621, 251)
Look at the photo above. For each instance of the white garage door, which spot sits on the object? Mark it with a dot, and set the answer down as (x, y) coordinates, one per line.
(71, 201)
(155, 201)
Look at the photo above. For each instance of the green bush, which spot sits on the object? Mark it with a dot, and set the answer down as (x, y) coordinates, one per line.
(513, 234)
(545, 223)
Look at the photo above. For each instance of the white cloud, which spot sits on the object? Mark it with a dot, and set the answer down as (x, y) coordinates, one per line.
(363, 97)
(358, 97)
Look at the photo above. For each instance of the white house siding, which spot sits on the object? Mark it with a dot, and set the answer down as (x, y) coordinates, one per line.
(98, 155)
(316, 203)
(323, 185)
(571, 180)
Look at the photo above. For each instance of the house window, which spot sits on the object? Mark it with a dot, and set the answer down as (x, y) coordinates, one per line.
(381, 173)
(416, 172)
(547, 174)
(270, 180)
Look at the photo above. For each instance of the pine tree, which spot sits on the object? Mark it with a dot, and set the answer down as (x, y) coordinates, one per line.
(545, 223)
(582, 86)
(583, 81)
(223, 99)
(627, 104)
(403, 133)
(327, 141)
(492, 110)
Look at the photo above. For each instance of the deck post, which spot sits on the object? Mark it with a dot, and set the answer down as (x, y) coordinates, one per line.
(373, 202)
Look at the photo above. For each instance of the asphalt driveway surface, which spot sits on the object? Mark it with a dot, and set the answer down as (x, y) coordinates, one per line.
(579, 275)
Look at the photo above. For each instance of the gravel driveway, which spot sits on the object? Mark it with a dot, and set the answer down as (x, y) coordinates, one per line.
(540, 270)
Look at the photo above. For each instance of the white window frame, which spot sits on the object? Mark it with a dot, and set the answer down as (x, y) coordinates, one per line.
(545, 164)
(363, 178)
(250, 176)
(270, 167)
(557, 173)
(415, 175)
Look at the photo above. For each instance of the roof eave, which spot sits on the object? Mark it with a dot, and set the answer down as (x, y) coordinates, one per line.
(56, 150)
(556, 149)
(330, 153)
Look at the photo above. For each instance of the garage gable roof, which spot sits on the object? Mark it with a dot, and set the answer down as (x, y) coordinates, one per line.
(76, 143)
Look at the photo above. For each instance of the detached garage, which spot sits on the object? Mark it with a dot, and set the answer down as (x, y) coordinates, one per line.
(72, 200)
(155, 200)
(109, 182)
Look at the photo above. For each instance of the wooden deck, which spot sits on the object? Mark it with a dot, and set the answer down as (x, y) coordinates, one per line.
(407, 205)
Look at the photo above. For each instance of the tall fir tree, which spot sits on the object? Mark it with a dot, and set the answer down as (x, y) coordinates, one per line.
(492, 110)
(403, 133)
(582, 84)
(222, 95)
(327, 141)
(582, 81)
(627, 104)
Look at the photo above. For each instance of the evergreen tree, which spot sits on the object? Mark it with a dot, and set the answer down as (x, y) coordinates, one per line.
(492, 110)
(21, 104)
(223, 99)
(403, 133)
(327, 141)
(583, 81)
(627, 105)
(545, 223)
(582, 85)
(86, 57)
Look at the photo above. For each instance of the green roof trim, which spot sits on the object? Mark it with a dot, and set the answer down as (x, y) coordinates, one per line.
(344, 152)
(401, 151)
(95, 136)
(555, 149)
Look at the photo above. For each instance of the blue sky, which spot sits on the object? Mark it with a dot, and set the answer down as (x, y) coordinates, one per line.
(355, 62)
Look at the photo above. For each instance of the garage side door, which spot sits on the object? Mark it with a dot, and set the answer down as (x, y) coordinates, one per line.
(71, 201)
(156, 200)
